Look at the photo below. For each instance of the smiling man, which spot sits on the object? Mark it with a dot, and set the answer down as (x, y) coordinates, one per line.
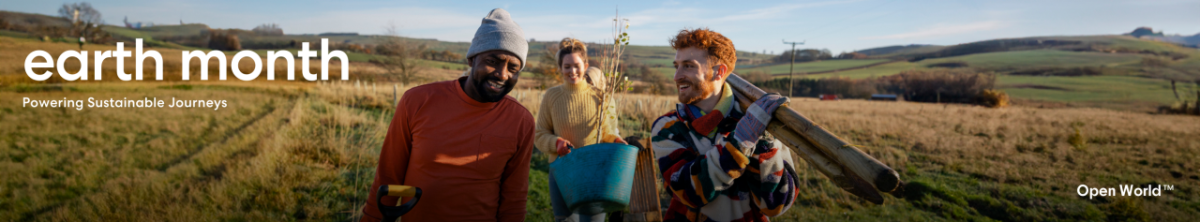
(714, 157)
(464, 142)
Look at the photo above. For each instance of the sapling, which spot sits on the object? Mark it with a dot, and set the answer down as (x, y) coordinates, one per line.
(610, 61)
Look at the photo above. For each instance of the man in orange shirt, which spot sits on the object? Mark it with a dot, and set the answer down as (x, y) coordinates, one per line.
(464, 142)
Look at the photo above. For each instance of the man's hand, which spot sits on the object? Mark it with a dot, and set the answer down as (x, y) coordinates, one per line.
(563, 146)
(752, 126)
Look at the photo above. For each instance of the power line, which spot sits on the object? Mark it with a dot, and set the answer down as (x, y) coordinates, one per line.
(793, 65)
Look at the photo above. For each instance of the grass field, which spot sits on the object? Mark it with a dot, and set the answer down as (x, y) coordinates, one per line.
(1089, 88)
(297, 150)
(816, 66)
(281, 152)
(1039, 58)
(304, 151)
(874, 71)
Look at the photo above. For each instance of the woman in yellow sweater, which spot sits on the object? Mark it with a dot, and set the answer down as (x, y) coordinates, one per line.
(567, 117)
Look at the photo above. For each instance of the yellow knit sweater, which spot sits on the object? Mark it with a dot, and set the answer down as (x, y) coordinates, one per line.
(569, 111)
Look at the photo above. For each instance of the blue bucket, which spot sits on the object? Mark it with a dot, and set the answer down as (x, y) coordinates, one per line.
(596, 178)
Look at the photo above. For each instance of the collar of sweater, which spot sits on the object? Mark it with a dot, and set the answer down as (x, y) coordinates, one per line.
(707, 122)
(578, 85)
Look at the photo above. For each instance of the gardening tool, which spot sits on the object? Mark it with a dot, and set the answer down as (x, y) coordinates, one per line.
(848, 167)
(391, 213)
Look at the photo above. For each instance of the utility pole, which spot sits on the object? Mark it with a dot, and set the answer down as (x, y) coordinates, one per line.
(793, 65)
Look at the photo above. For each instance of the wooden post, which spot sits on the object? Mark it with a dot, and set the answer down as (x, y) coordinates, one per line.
(395, 96)
(845, 154)
(1197, 104)
(847, 181)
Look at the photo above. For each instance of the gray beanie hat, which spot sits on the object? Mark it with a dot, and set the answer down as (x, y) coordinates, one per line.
(499, 32)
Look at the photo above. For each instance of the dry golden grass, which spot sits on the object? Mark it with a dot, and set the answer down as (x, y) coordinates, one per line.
(1017, 149)
(1021, 156)
(296, 150)
(276, 153)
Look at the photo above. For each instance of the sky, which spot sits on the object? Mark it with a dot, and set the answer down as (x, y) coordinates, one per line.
(759, 26)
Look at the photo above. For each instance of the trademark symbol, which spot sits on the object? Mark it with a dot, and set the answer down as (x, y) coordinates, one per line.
(1169, 187)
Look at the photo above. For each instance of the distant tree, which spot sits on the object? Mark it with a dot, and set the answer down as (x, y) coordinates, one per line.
(271, 29)
(224, 40)
(852, 55)
(1156, 66)
(4, 25)
(804, 55)
(659, 83)
(1155, 62)
(451, 56)
(546, 70)
(87, 14)
(398, 56)
(1144, 31)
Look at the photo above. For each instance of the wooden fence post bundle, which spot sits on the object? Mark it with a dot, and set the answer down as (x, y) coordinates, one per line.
(643, 199)
(841, 161)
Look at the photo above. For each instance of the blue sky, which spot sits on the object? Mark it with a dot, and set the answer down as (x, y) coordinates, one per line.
(837, 25)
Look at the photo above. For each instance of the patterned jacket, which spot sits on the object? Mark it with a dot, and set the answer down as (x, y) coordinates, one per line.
(709, 176)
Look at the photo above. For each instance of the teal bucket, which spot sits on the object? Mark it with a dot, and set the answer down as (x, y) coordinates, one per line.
(596, 178)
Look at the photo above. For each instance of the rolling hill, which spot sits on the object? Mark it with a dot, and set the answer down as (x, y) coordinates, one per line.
(1117, 62)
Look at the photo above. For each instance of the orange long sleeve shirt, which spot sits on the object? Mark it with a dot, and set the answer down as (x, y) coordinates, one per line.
(470, 159)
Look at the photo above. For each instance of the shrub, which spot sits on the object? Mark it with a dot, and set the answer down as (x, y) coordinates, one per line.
(1077, 139)
(4, 25)
(1127, 209)
(223, 40)
(938, 85)
(941, 85)
(994, 98)
(845, 87)
(948, 64)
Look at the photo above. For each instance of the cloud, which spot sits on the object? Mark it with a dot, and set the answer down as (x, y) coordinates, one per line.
(776, 11)
(944, 30)
(411, 21)
(652, 26)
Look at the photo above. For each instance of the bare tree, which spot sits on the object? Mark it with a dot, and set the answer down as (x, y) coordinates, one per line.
(397, 56)
(271, 29)
(546, 71)
(86, 13)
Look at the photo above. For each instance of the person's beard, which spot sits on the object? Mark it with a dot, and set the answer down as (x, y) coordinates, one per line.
(489, 96)
(701, 88)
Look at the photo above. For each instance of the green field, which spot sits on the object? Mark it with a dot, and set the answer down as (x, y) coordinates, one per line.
(1039, 58)
(816, 66)
(874, 71)
(1122, 41)
(1087, 88)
